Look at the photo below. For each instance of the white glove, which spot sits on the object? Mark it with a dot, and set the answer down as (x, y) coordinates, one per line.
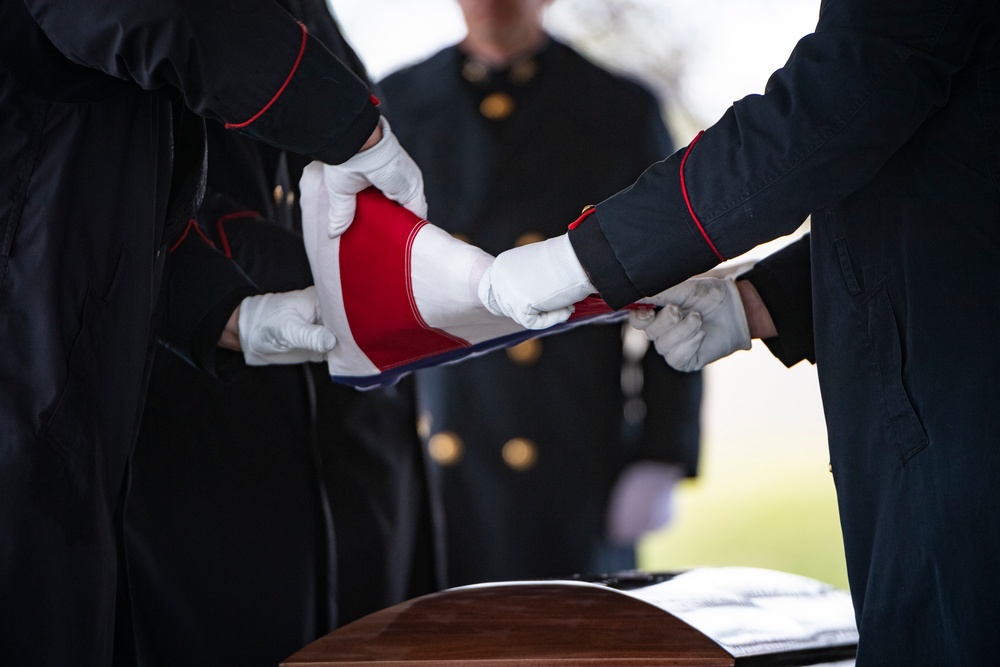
(641, 500)
(702, 321)
(536, 284)
(386, 166)
(283, 328)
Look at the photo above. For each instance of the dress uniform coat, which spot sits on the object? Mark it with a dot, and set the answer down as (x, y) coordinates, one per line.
(532, 440)
(882, 124)
(268, 504)
(101, 163)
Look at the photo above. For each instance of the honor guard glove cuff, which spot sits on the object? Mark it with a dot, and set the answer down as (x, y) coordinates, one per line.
(702, 320)
(537, 284)
(387, 167)
(283, 329)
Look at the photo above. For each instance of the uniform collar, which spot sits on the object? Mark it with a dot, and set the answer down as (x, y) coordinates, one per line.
(520, 72)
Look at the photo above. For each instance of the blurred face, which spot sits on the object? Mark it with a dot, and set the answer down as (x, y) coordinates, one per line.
(500, 19)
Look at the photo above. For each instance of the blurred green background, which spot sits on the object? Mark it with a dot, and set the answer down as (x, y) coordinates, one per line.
(764, 496)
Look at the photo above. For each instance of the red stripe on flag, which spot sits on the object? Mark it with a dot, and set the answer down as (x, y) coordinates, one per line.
(376, 285)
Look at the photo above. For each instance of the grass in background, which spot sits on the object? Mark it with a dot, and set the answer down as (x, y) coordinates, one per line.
(764, 496)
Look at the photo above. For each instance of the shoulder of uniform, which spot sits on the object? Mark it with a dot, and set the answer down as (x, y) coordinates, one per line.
(417, 74)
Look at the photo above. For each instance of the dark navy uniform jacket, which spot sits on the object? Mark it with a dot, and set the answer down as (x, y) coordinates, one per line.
(882, 125)
(100, 164)
(268, 505)
(532, 440)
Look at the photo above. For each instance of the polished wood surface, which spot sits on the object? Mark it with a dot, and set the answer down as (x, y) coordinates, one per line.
(522, 625)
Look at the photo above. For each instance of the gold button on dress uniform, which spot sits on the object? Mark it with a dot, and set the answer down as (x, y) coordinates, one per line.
(281, 197)
(424, 425)
(497, 106)
(475, 71)
(526, 353)
(528, 238)
(523, 71)
(520, 454)
(446, 448)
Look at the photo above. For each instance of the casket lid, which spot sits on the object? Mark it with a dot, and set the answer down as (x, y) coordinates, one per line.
(704, 617)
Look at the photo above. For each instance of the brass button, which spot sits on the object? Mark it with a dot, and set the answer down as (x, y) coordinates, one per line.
(497, 106)
(474, 71)
(278, 193)
(523, 71)
(290, 199)
(528, 238)
(830, 468)
(464, 238)
(424, 425)
(445, 448)
(526, 353)
(520, 454)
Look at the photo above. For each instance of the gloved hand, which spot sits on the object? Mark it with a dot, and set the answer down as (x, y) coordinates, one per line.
(283, 328)
(641, 500)
(536, 284)
(702, 320)
(386, 166)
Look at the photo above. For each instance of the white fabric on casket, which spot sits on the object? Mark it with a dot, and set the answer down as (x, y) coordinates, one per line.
(401, 294)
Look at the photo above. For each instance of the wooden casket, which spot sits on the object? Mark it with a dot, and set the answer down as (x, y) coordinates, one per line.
(705, 616)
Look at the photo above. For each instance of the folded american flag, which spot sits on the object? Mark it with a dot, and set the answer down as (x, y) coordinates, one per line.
(401, 293)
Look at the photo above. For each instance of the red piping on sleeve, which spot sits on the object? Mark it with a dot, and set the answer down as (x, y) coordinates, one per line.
(374, 100)
(687, 200)
(220, 227)
(192, 224)
(586, 213)
(295, 67)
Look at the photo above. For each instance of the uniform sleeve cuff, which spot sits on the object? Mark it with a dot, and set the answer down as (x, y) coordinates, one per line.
(205, 338)
(599, 261)
(789, 304)
(353, 138)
